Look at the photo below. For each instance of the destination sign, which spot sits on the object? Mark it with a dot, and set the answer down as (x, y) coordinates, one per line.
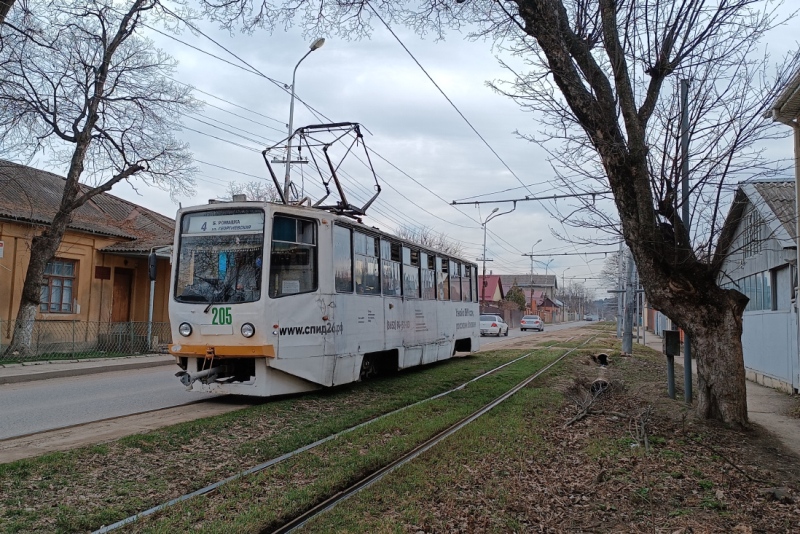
(226, 224)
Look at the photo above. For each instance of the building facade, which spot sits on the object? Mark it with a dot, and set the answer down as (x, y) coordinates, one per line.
(99, 275)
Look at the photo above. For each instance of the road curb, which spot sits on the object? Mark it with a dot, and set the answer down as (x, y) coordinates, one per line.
(63, 373)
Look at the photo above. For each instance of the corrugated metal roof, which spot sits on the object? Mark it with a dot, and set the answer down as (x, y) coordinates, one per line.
(779, 197)
(787, 106)
(34, 196)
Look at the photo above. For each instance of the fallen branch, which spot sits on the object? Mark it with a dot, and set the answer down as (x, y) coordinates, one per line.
(729, 462)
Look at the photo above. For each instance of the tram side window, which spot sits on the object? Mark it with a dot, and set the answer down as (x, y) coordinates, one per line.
(427, 276)
(293, 258)
(455, 281)
(390, 263)
(367, 273)
(474, 284)
(442, 280)
(342, 259)
(466, 273)
(410, 272)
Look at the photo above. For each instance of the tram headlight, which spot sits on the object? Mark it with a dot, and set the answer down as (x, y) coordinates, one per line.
(185, 329)
(248, 330)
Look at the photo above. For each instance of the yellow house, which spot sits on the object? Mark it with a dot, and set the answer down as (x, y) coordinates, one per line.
(99, 277)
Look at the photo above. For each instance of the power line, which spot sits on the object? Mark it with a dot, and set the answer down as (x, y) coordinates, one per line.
(527, 198)
(485, 142)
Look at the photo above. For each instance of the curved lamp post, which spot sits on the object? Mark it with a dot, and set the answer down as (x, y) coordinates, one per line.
(287, 181)
(489, 217)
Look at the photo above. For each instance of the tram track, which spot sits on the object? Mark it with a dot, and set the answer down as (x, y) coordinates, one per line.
(381, 472)
(372, 478)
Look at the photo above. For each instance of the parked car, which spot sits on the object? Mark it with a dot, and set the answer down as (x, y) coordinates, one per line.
(531, 322)
(587, 317)
(493, 325)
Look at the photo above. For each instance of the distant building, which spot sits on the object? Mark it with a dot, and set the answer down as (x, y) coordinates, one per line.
(540, 291)
(491, 291)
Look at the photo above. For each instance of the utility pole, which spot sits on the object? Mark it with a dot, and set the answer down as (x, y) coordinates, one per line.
(630, 293)
(687, 347)
(531, 255)
(620, 290)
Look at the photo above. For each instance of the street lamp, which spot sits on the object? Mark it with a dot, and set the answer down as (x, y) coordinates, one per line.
(286, 182)
(489, 217)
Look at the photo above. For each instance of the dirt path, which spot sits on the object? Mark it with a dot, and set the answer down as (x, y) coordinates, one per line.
(104, 431)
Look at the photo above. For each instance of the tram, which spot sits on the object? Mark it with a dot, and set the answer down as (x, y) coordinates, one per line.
(279, 298)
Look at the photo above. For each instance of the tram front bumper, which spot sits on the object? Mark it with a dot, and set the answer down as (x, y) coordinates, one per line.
(223, 351)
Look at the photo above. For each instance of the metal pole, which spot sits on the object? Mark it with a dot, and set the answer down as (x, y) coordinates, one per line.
(619, 291)
(531, 279)
(671, 375)
(150, 316)
(638, 310)
(687, 346)
(287, 181)
(483, 284)
(627, 335)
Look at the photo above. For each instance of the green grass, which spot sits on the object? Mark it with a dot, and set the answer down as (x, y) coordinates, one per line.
(267, 499)
(143, 470)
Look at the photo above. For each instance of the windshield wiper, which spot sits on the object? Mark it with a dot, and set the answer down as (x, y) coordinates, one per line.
(216, 294)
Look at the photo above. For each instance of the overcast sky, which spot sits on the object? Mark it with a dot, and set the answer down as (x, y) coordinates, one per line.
(376, 83)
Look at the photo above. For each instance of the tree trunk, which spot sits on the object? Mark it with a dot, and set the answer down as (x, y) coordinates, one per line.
(43, 249)
(712, 317)
(716, 339)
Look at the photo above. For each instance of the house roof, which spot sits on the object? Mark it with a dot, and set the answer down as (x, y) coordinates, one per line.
(492, 282)
(33, 196)
(779, 197)
(524, 280)
(774, 201)
(787, 107)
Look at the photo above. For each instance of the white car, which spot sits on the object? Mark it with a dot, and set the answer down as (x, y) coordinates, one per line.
(493, 325)
(531, 322)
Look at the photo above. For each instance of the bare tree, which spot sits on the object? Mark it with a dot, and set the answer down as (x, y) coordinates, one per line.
(601, 75)
(254, 190)
(427, 237)
(90, 93)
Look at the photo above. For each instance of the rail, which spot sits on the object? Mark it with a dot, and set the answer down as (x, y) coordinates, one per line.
(304, 448)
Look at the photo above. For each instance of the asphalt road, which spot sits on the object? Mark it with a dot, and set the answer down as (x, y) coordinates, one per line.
(513, 333)
(31, 407)
(48, 404)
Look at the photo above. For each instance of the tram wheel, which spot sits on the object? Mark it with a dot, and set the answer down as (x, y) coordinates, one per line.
(368, 368)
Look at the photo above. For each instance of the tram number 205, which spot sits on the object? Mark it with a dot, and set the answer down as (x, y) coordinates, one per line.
(221, 316)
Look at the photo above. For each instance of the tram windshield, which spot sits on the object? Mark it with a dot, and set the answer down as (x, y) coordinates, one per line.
(220, 256)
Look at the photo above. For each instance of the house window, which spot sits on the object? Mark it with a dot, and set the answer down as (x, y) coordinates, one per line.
(57, 286)
(752, 234)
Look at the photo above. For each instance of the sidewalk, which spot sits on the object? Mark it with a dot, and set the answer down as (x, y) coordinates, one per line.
(765, 406)
(43, 370)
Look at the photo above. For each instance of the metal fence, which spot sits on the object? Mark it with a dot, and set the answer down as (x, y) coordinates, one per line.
(58, 340)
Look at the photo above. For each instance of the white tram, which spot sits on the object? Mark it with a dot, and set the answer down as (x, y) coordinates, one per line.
(270, 299)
